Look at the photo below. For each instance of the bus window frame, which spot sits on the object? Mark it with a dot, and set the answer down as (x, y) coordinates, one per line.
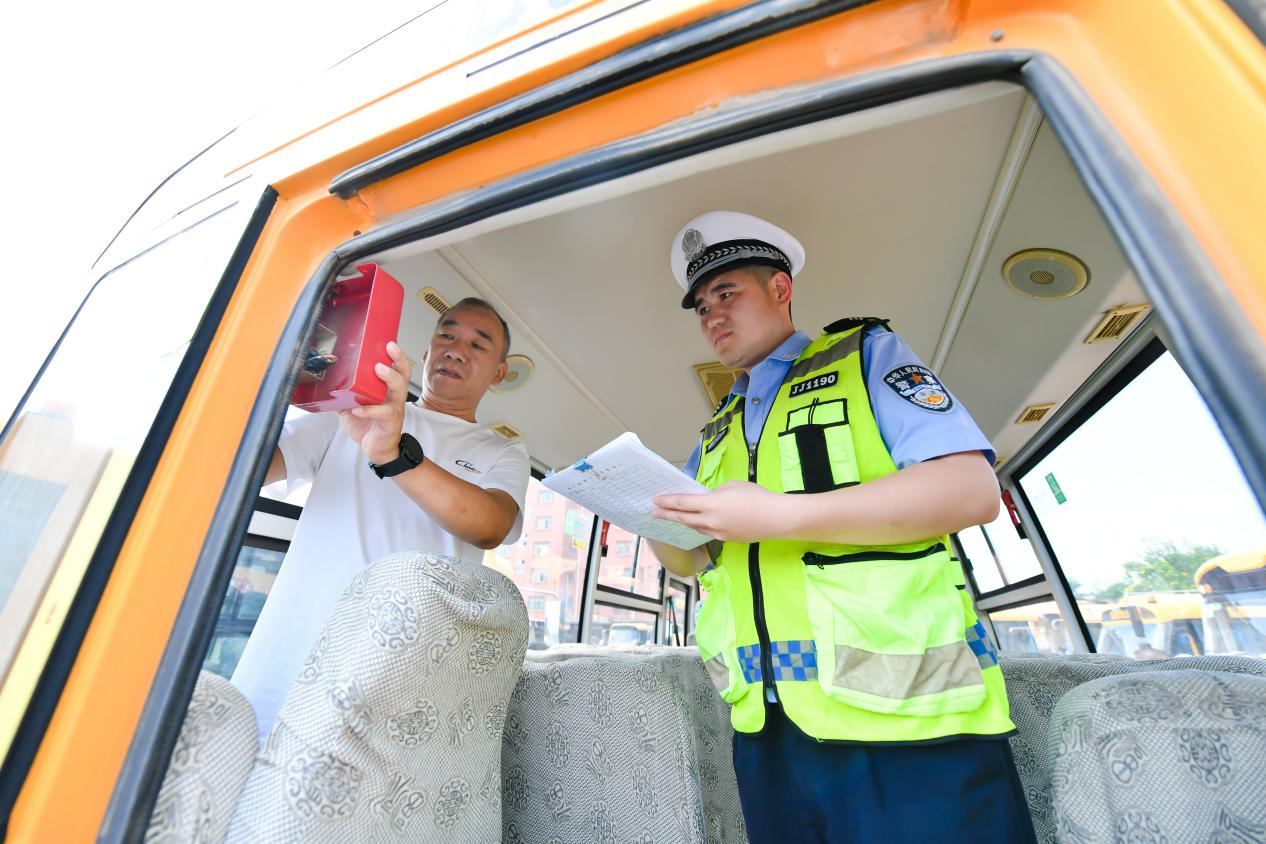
(1174, 272)
(684, 614)
(251, 540)
(1127, 362)
(628, 593)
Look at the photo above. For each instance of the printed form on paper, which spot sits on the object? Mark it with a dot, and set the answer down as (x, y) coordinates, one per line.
(620, 481)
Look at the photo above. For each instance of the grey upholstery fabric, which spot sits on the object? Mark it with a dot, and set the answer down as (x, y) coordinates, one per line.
(1035, 686)
(606, 745)
(1155, 757)
(209, 765)
(393, 728)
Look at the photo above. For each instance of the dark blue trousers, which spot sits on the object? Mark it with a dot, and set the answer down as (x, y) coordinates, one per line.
(795, 789)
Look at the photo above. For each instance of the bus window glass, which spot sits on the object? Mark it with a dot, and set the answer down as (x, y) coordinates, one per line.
(1031, 628)
(984, 567)
(677, 608)
(627, 567)
(547, 563)
(257, 565)
(999, 557)
(64, 461)
(1014, 554)
(616, 626)
(1137, 504)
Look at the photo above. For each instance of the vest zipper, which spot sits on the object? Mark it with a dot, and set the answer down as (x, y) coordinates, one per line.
(758, 594)
(822, 560)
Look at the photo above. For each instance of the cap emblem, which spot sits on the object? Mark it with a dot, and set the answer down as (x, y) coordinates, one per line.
(692, 244)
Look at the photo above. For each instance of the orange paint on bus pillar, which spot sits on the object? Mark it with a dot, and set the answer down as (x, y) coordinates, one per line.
(92, 726)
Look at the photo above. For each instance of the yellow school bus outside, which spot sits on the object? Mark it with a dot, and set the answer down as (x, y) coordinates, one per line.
(1181, 82)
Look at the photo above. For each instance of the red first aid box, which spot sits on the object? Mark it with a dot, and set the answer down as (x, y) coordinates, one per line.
(359, 318)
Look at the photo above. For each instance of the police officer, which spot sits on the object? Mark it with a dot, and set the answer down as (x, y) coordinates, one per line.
(867, 703)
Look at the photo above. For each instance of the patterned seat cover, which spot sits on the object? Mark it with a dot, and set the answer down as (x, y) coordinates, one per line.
(393, 728)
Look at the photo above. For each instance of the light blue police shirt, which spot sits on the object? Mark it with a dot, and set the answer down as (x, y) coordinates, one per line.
(912, 431)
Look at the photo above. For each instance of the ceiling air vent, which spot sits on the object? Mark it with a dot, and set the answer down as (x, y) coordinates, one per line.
(1034, 413)
(506, 430)
(717, 379)
(433, 300)
(1116, 323)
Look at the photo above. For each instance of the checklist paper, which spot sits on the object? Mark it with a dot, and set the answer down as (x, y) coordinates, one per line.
(619, 482)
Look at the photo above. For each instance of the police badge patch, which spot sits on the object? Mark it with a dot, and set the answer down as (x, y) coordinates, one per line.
(917, 385)
(692, 244)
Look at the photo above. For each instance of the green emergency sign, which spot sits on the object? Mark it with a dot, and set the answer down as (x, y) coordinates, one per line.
(1060, 498)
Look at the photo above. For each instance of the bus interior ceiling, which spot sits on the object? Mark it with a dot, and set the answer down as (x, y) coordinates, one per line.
(907, 211)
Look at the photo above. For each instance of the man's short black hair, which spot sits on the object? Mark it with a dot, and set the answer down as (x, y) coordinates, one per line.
(475, 302)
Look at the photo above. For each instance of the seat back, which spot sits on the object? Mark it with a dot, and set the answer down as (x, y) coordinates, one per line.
(608, 745)
(1161, 756)
(209, 765)
(1036, 684)
(393, 727)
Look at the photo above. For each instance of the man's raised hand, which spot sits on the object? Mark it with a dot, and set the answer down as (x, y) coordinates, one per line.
(377, 427)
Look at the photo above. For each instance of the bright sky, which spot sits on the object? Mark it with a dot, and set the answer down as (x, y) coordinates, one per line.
(103, 100)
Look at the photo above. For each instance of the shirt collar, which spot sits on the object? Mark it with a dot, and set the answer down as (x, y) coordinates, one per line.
(786, 352)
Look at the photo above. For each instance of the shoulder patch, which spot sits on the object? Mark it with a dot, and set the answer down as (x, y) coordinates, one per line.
(917, 385)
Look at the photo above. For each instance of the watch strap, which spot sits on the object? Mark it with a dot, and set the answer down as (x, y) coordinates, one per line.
(411, 456)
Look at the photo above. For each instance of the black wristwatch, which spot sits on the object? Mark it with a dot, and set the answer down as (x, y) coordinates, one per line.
(410, 458)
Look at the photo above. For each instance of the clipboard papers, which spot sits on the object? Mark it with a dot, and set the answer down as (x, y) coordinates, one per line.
(619, 481)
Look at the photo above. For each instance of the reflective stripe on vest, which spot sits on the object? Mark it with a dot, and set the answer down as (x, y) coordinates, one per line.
(863, 643)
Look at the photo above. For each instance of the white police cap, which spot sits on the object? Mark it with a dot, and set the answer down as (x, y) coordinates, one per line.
(713, 241)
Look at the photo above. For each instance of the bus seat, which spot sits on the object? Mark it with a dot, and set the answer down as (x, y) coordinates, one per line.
(209, 765)
(1035, 684)
(393, 728)
(1161, 756)
(604, 744)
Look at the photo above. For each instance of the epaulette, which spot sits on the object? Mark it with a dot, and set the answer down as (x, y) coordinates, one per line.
(715, 411)
(852, 322)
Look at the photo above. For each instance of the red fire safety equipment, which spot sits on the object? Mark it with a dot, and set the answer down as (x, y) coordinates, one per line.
(361, 315)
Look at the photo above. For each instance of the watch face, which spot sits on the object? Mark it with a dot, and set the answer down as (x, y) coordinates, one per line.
(410, 449)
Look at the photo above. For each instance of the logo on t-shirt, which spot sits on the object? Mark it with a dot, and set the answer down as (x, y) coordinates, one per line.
(466, 466)
(917, 385)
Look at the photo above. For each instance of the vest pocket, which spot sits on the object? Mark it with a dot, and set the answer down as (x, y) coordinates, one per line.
(710, 458)
(715, 636)
(816, 451)
(891, 632)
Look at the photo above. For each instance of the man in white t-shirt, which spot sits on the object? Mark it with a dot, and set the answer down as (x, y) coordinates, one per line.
(385, 478)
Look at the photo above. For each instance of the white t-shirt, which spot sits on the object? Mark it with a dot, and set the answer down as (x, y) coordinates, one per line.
(352, 518)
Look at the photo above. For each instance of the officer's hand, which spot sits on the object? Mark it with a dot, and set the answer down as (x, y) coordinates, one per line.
(377, 427)
(736, 511)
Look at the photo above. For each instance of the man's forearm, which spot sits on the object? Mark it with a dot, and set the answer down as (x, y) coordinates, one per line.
(678, 561)
(276, 468)
(921, 501)
(482, 517)
(928, 499)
